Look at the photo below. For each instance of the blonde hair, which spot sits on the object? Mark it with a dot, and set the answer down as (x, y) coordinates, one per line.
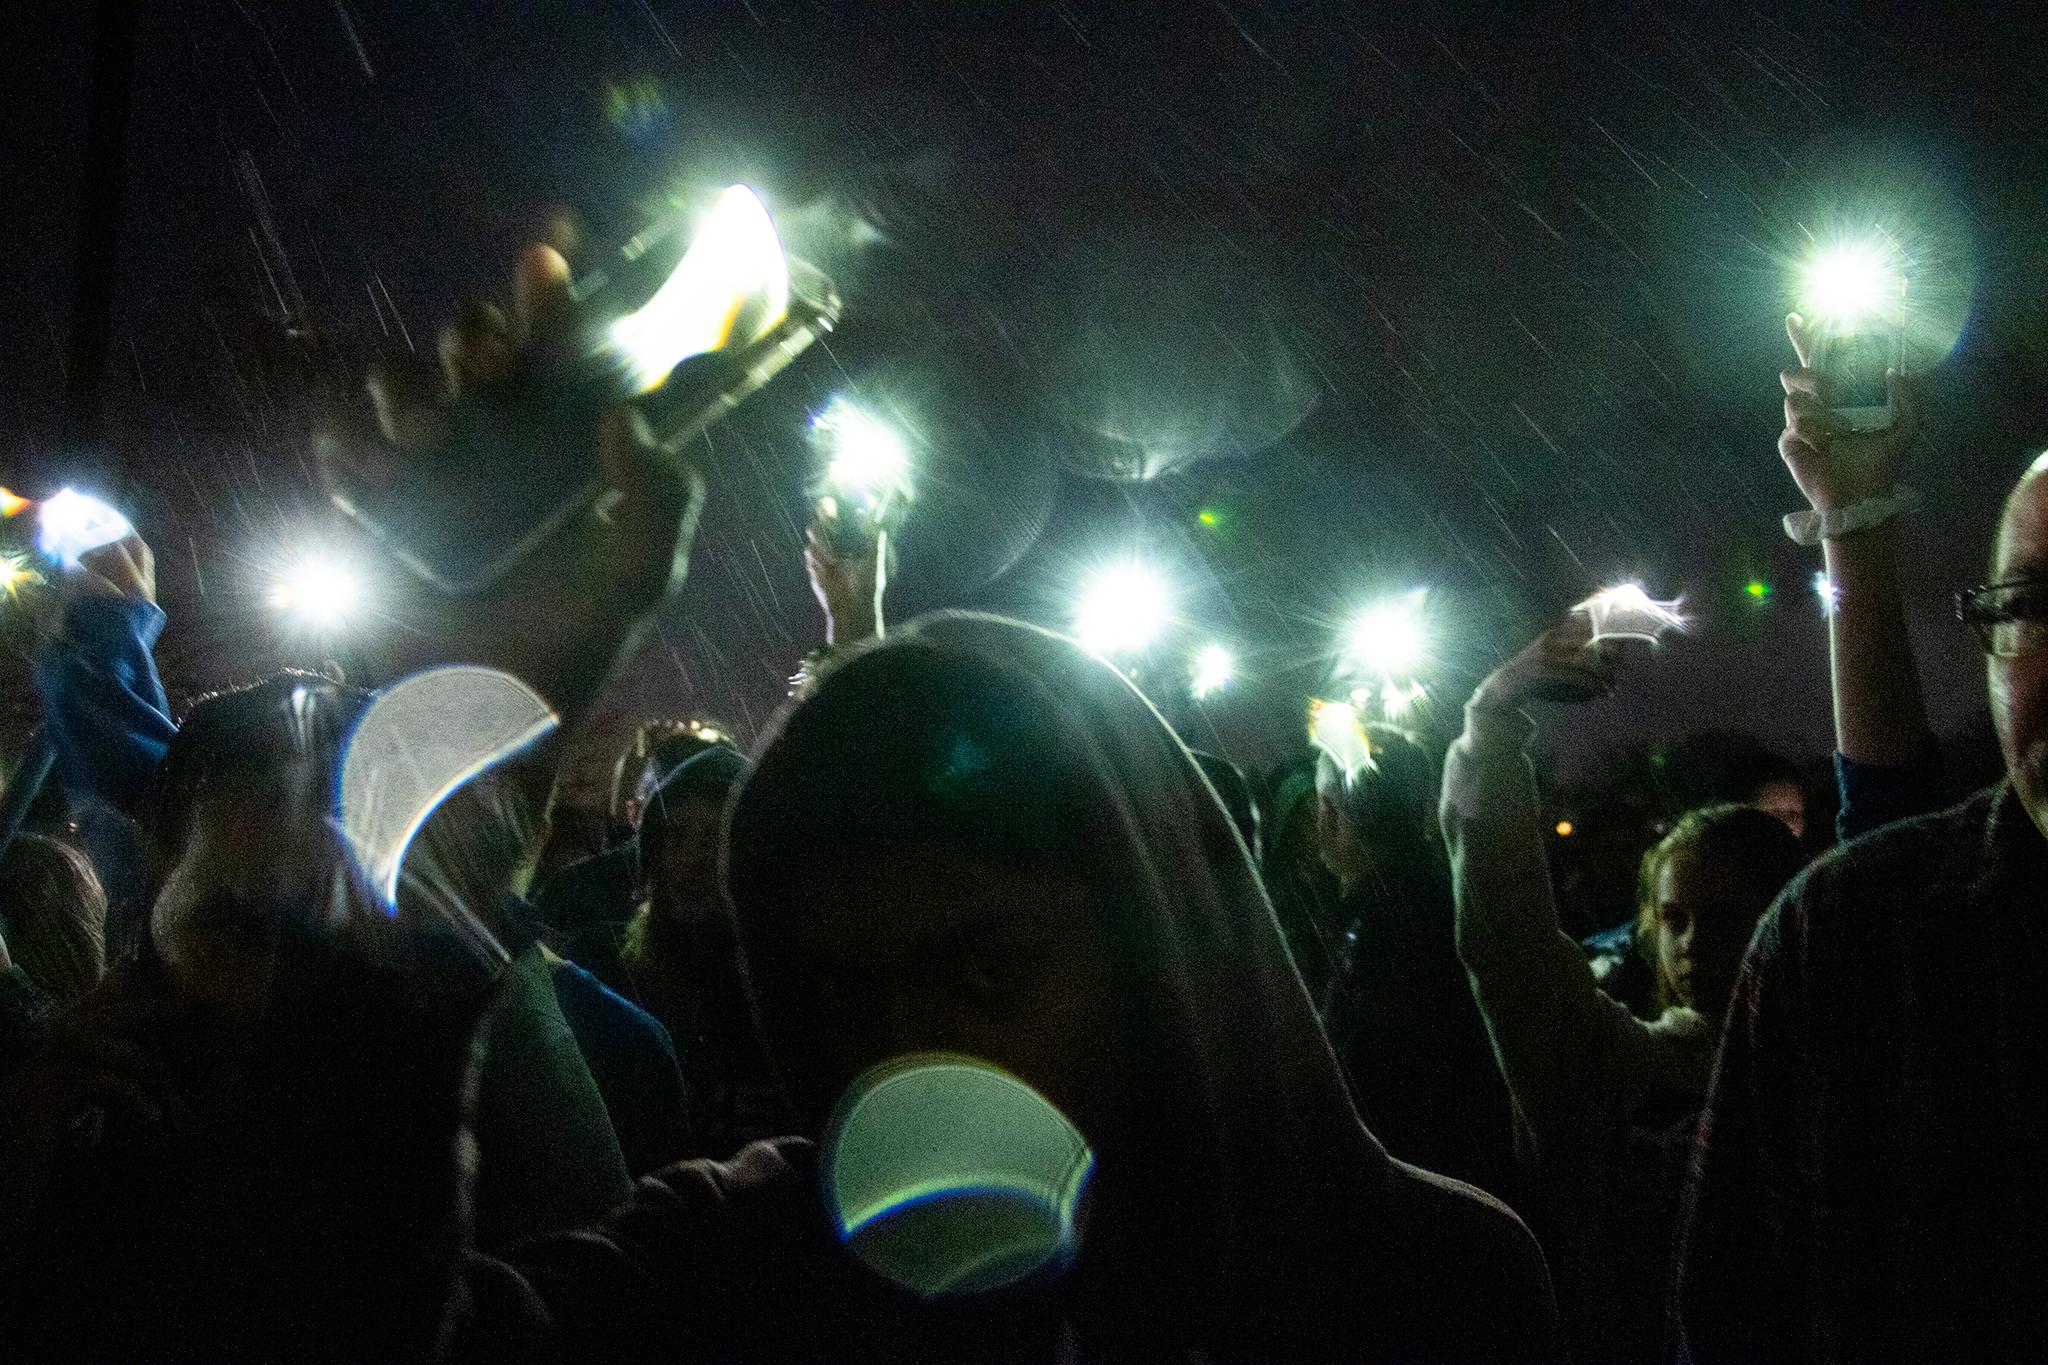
(1759, 841)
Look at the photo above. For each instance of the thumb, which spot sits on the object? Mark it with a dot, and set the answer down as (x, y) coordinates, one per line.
(1801, 338)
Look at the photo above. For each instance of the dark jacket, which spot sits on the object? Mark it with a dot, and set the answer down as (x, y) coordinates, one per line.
(1403, 1022)
(1266, 1221)
(632, 1061)
(1872, 1182)
(732, 1097)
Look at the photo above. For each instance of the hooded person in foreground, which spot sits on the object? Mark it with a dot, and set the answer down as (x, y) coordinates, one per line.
(974, 839)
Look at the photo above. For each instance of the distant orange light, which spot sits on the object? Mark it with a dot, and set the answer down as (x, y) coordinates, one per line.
(11, 503)
(1564, 829)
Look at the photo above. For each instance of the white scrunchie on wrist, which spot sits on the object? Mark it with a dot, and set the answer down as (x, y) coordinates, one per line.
(1811, 528)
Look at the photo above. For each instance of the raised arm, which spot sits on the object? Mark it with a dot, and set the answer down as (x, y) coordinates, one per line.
(1550, 1023)
(1886, 766)
(97, 679)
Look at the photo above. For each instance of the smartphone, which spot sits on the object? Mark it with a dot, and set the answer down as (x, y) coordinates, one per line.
(1852, 369)
(69, 524)
(55, 532)
(848, 530)
(519, 462)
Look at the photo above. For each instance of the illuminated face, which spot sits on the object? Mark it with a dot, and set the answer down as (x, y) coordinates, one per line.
(1785, 800)
(2019, 687)
(933, 950)
(682, 864)
(1706, 912)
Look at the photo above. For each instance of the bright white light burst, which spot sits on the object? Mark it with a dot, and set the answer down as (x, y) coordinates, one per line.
(1824, 588)
(734, 271)
(868, 456)
(14, 575)
(1851, 281)
(68, 524)
(1388, 640)
(1123, 610)
(318, 592)
(1213, 669)
(1626, 612)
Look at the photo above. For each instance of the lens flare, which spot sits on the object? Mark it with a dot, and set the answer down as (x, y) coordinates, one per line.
(70, 524)
(731, 285)
(1123, 610)
(1626, 612)
(12, 502)
(15, 575)
(418, 741)
(318, 592)
(1824, 588)
(949, 1176)
(1851, 282)
(1388, 640)
(1213, 669)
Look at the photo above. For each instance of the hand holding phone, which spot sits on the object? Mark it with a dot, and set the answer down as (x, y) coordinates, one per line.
(1836, 461)
(557, 616)
(70, 542)
(496, 460)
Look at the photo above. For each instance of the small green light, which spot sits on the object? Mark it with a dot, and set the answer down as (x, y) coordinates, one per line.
(1757, 589)
(1209, 517)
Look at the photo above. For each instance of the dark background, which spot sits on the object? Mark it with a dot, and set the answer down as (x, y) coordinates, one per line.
(1487, 298)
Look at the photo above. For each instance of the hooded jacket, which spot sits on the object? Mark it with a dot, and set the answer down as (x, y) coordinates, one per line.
(1293, 1235)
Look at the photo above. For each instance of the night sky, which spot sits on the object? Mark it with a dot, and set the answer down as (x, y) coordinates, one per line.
(1487, 298)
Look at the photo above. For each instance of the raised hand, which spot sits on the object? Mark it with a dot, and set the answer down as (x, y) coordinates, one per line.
(561, 617)
(1563, 664)
(849, 590)
(1836, 468)
(124, 569)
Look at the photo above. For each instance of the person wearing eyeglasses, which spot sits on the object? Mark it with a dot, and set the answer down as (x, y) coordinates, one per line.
(1869, 1179)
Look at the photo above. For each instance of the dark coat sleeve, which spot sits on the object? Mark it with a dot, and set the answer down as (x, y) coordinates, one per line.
(1745, 1275)
(696, 1263)
(106, 706)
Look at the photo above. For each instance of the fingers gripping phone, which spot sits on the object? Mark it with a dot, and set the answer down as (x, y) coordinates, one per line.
(520, 460)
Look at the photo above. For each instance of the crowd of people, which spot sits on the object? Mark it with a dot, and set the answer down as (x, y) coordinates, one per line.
(1353, 1086)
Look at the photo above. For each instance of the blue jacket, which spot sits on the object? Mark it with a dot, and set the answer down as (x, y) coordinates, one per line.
(109, 723)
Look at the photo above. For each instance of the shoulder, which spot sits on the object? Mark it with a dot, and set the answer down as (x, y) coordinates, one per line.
(1885, 881)
(590, 1005)
(1463, 1246)
(1673, 1052)
(695, 1265)
(595, 950)
(775, 1171)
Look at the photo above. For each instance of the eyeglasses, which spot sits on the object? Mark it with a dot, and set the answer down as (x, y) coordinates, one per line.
(2010, 619)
